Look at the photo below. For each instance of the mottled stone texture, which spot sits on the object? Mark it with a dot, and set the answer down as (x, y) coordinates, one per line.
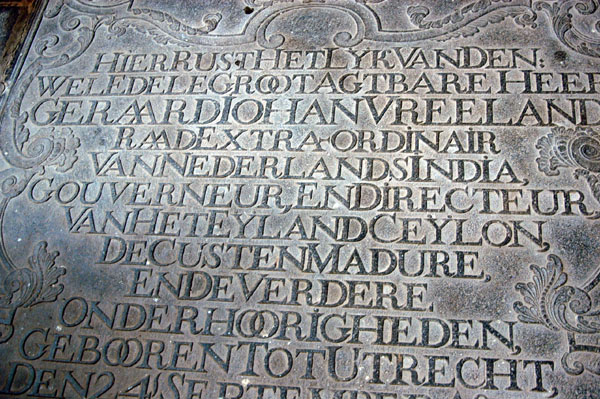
(335, 199)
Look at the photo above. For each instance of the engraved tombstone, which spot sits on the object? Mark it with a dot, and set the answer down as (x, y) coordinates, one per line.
(335, 199)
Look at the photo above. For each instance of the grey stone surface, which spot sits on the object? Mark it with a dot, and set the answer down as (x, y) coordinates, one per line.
(327, 199)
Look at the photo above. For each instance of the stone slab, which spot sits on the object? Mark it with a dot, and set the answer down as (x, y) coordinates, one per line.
(334, 199)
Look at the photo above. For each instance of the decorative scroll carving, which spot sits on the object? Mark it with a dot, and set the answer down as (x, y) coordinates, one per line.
(523, 16)
(581, 358)
(29, 153)
(561, 14)
(549, 301)
(571, 148)
(161, 26)
(37, 282)
(465, 21)
(553, 303)
(28, 286)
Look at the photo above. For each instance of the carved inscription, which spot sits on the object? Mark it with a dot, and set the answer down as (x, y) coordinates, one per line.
(329, 199)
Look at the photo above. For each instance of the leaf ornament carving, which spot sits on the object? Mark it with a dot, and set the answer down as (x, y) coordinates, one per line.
(162, 26)
(24, 287)
(549, 301)
(36, 283)
(468, 20)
